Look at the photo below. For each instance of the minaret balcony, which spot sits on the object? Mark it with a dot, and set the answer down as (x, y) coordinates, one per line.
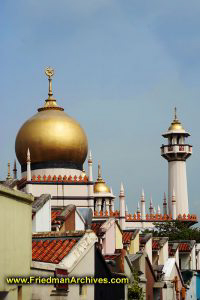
(176, 152)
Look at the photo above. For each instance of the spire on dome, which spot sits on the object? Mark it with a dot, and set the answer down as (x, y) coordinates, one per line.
(51, 101)
(99, 171)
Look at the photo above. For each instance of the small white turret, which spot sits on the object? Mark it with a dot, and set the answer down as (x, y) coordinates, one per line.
(90, 179)
(151, 206)
(158, 210)
(122, 216)
(28, 173)
(15, 170)
(164, 204)
(143, 208)
(138, 208)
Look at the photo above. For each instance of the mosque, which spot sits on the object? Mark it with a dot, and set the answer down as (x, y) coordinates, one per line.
(52, 147)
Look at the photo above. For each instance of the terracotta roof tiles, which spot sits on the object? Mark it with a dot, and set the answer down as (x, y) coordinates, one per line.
(184, 247)
(51, 251)
(127, 237)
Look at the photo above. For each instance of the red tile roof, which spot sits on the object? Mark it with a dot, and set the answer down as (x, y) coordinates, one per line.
(184, 247)
(55, 214)
(127, 236)
(155, 245)
(51, 251)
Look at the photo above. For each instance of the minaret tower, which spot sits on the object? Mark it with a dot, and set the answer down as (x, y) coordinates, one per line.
(176, 152)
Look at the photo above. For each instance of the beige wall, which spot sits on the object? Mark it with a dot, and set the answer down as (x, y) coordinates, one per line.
(118, 238)
(134, 245)
(15, 237)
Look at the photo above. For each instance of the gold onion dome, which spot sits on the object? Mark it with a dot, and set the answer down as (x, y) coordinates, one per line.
(100, 185)
(176, 124)
(54, 138)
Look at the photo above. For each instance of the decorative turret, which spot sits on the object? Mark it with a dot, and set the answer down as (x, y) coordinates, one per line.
(176, 153)
(8, 176)
(164, 204)
(28, 175)
(122, 220)
(15, 170)
(151, 206)
(90, 179)
(143, 209)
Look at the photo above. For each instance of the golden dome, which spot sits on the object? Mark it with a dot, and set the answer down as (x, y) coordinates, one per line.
(100, 185)
(54, 138)
(176, 124)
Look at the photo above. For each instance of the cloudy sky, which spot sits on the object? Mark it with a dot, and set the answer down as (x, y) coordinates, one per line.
(121, 67)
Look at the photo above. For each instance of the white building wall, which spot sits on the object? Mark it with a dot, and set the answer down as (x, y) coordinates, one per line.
(177, 180)
(79, 224)
(148, 249)
(163, 254)
(42, 219)
(191, 292)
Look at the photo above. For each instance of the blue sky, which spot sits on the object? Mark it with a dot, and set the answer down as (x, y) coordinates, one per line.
(121, 67)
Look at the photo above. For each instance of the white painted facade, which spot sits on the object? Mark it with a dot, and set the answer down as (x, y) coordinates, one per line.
(177, 180)
(42, 219)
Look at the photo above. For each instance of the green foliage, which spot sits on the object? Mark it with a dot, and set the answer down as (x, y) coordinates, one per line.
(134, 290)
(175, 230)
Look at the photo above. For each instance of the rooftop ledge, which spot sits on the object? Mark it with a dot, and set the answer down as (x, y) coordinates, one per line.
(17, 195)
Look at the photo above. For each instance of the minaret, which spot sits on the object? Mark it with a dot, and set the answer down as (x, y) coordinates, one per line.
(158, 210)
(122, 218)
(143, 209)
(164, 205)
(15, 170)
(176, 153)
(173, 205)
(151, 206)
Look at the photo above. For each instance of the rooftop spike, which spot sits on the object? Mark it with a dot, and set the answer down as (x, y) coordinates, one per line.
(8, 176)
(122, 189)
(15, 169)
(28, 156)
(138, 208)
(90, 156)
